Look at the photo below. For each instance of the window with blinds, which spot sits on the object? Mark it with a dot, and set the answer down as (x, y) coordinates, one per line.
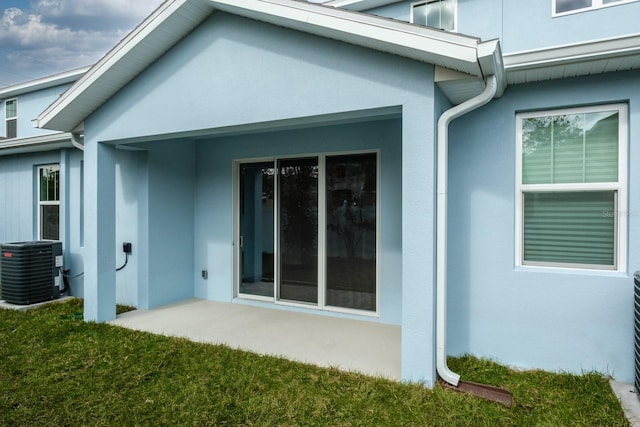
(571, 187)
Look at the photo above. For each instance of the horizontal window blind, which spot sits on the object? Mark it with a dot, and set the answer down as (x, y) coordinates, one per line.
(570, 227)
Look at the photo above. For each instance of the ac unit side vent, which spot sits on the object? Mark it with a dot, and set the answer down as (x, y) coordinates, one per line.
(28, 272)
(636, 334)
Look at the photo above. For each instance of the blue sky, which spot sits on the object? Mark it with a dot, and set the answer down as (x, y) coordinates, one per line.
(44, 37)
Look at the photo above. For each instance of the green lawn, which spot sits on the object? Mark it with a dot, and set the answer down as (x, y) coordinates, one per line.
(57, 370)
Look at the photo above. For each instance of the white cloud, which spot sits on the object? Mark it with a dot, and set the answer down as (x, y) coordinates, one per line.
(58, 35)
(19, 28)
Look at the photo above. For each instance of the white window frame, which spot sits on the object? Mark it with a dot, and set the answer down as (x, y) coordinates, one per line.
(41, 203)
(275, 300)
(595, 4)
(8, 119)
(620, 187)
(455, 12)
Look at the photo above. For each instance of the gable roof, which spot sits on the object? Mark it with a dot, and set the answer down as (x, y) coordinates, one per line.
(174, 19)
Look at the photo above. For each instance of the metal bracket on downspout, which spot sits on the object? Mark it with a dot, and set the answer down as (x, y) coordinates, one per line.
(75, 141)
(441, 223)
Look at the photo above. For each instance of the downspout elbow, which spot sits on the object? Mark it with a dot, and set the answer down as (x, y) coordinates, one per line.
(75, 141)
(441, 222)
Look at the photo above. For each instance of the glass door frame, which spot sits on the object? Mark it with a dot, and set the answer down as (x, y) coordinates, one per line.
(322, 224)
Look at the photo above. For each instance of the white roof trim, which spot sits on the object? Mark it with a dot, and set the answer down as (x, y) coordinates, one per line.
(42, 83)
(34, 144)
(371, 31)
(449, 50)
(573, 53)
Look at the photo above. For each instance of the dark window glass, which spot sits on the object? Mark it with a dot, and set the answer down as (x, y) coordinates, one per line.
(351, 231)
(50, 222)
(569, 5)
(298, 229)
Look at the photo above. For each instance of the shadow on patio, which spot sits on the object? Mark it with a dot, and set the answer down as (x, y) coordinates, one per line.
(351, 345)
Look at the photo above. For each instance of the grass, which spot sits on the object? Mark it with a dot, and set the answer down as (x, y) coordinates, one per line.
(57, 370)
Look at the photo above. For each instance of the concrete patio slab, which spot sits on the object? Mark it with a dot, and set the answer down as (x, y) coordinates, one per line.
(9, 306)
(629, 400)
(352, 345)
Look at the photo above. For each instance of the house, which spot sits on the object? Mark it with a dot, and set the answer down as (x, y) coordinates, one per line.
(462, 169)
(40, 169)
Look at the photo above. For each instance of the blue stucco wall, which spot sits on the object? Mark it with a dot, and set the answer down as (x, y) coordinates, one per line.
(30, 105)
(532, 317)
(528, 24)
(18, 203)
(18, 192)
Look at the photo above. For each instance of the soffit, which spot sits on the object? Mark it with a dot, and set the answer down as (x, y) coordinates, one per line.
(35, 144)
(43, 83)
(176, 18)
(583, 59)
(560, 62)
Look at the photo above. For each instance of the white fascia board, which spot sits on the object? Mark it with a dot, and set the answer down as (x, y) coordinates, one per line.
(416, 42)
(573, 53)
(43, 83)
(35, 144)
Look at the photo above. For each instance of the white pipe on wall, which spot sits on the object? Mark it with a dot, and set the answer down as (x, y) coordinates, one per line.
(441, 223)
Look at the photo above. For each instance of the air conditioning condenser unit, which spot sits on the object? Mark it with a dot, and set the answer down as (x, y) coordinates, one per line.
(30, 271)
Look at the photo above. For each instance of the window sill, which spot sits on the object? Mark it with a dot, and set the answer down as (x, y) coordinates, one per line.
(571, 271)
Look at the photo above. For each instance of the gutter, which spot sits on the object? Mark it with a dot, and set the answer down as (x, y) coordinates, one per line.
(77, 141)
(53, 141)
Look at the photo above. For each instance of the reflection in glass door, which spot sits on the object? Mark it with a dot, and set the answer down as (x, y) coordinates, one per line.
(256, 229)
(298, 229)
(351, 203)
(308, 231)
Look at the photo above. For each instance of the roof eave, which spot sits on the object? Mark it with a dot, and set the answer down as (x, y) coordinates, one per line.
(626, 48)
(133, 54)
(42, 83)
(35, 144)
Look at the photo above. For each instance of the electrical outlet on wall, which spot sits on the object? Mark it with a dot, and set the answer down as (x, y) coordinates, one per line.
(126, 248)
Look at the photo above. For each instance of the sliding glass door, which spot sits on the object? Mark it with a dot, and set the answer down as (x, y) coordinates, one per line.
(298, 229)
(308, 231)
(256, 229)
(351, 231)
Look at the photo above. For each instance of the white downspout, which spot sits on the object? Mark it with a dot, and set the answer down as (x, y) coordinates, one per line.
(441, 223)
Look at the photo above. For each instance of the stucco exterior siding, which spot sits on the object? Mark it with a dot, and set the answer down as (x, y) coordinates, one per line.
(553, 319)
